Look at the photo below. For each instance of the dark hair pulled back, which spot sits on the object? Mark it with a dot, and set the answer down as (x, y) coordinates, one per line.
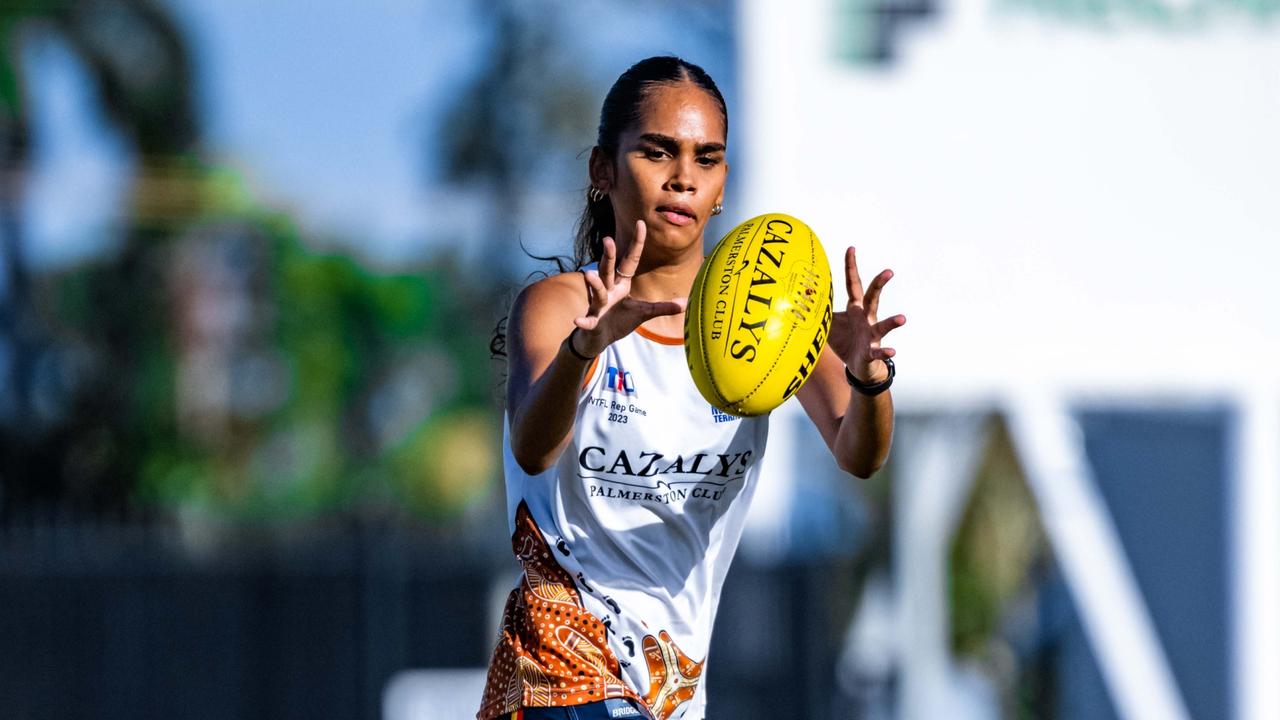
(621, 110)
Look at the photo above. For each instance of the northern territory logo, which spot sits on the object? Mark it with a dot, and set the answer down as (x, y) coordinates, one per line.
(721, 416)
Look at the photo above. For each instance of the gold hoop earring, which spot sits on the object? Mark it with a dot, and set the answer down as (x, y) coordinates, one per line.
(595, 194)
(717, 209)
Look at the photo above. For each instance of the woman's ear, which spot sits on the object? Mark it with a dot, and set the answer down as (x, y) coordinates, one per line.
(720, 200)
(600, 168)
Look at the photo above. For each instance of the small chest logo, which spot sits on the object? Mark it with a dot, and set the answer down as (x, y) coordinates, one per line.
(618, 380)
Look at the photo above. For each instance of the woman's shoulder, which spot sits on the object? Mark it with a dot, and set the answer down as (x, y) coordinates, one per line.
(562, 294)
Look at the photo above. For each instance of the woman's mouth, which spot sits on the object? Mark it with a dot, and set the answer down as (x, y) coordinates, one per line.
(676, 215)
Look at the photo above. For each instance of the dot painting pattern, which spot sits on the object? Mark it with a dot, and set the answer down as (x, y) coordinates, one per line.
(552, 652)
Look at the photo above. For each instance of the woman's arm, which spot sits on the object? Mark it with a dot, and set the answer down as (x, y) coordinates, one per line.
(543, 376)
(857, 428)
(590, 309)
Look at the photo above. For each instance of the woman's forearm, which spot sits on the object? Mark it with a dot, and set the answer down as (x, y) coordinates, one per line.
(542, 419)
(866, 431)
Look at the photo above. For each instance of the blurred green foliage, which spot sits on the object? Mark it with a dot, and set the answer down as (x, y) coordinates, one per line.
(345, 335)
(214, 360)
(335, 388)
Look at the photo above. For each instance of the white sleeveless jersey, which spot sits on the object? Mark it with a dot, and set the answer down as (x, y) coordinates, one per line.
(643, 512)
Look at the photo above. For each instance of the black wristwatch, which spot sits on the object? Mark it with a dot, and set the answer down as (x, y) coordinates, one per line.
(874, 388)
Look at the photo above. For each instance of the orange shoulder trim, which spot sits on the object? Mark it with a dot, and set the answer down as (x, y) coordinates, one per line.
(591, 372)
(661, 339)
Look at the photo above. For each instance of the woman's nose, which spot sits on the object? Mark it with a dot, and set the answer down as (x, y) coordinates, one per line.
(681, 179)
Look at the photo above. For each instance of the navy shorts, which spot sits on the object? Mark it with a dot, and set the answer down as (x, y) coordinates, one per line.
(612, 709)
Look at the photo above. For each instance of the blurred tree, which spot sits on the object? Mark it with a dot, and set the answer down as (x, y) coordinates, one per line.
(305, 383)
(67, 439)
(213, 361)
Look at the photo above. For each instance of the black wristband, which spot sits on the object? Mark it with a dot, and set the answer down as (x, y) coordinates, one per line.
(874, 388)
(573, 349)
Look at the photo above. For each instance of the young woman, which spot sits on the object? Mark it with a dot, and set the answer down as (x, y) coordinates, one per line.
(626, 492)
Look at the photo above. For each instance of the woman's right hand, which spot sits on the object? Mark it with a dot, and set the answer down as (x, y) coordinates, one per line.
(544, 381)
(612, 313)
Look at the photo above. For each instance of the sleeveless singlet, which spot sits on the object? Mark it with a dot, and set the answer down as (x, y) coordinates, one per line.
(625, 541)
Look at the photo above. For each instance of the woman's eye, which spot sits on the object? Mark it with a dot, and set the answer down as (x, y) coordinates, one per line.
(654, 154)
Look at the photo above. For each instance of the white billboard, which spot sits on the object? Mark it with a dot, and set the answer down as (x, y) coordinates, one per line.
(1088, 201)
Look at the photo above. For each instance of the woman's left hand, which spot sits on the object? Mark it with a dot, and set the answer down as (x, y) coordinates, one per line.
(855, 333)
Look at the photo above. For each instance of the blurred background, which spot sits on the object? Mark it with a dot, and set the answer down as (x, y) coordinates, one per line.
(252, 255)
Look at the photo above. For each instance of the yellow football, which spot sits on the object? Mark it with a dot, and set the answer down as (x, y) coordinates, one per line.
(759, 314)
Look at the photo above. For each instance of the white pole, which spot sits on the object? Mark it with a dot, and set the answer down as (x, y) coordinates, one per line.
(939, 461)
(1092, 559)
(1255, 515)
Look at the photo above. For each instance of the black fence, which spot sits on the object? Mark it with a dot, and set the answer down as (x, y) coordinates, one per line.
(112, 622)
(106, 622)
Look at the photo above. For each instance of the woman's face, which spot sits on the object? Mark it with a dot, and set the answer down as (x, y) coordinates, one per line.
(670, 168)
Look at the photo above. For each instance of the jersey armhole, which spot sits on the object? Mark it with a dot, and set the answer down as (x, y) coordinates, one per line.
(591, 373)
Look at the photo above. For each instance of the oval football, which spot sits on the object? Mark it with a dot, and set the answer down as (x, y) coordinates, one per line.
(759, 314)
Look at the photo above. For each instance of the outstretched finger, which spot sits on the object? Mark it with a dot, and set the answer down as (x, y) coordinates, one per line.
(631, 262)
(633, 313)
(599, 295)
(882, 353)
(658, 309)
(871, 301)
(852, 282)
(608, 261)
(883, 327)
